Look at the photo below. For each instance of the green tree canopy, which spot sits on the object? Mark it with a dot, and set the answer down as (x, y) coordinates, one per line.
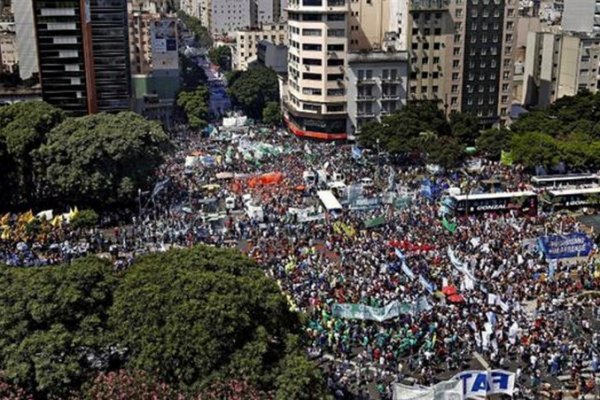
(535, 149)
(465, 127)
(99, 160)
(202, 321)
(221, 56)
(272, 113)
(53, 324)
(195, 106)
(201, 34)
(491, 142)
(253, 89)
(23, 128)
(192, 75)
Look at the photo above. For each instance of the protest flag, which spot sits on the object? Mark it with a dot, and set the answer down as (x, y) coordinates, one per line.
(451, 227)
(506, 158)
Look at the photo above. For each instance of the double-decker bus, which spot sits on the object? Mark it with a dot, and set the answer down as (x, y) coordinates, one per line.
(574, 198)
(558, 181)
(523, 202)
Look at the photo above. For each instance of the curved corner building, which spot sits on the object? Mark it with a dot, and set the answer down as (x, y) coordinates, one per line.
(315, 101)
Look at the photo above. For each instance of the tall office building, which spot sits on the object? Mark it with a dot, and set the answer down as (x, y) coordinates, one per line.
(83, 54)
(347, 65)
(462, 55)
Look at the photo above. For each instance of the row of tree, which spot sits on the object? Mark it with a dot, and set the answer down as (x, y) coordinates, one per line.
(254, 91)
(567, 131)
(97, 161)
(182, 323)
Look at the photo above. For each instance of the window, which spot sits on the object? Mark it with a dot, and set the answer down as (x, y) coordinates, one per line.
(335, 47)
(335, 63)
(311, 61)
(335, 77)
(336, 17)
(336, 32)
(335, 92)
(312, 77)
(311, 47)
(311, 17)
(311, 91)
(311, 32)
(313, 3)
(335, 107)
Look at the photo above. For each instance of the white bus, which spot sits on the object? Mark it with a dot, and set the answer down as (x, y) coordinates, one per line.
(573, 198)
(570, 180)
(524, 202)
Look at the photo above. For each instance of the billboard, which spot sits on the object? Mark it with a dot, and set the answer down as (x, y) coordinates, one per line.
(163, 37)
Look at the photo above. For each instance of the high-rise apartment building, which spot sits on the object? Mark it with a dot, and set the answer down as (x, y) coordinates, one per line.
(83, 54)
(342, 57)
(559, 64)
(9, 56)
(462, 55)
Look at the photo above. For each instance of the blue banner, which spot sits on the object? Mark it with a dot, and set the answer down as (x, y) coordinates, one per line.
(565, 246)
(408, 271)
(429, 189)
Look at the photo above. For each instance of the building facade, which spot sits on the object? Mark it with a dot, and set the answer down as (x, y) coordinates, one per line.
(462, 55)
(334, 45)
(245, 50)
(559, 64)
(83, 54)
(154, 59)
(581, 16)
(9, 56)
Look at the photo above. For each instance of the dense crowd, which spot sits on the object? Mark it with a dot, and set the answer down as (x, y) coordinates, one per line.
(487, 290)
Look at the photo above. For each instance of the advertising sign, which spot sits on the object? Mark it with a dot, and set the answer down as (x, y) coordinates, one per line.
(164, 44)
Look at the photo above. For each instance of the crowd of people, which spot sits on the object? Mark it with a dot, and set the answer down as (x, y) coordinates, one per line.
(484, 292)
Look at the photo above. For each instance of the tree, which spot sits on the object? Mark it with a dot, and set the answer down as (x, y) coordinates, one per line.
(195, 106)
(201, 34)
(23, 128)
(192, 75)
(445, 151)
(193, 316)
(465, 127)
(272, 113)
(99, 160)
(399, 132)
(253, 89)
(299, 379)
(84, 219)
(53, 324)
(491, 142)
(535, 149)
(221, 56)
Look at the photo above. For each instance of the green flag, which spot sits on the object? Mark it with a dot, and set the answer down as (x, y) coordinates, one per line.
(375, 222)
(451, 227)
(506, 158)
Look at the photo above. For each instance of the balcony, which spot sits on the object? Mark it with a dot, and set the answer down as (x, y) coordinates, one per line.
(364, 97)
(390, 97)
(391, 79)
(365, 114)
(366, 81)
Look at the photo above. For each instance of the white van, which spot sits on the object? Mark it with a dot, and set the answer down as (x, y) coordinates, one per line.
(309, 177)
(230, 203)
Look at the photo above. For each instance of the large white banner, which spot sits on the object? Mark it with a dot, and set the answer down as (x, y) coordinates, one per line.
(447, 390)
(477, 384)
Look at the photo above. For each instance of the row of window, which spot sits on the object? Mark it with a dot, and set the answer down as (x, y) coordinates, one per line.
(317, 77)
(318, 62)
(294, 16)
(318, 92)
(318, 47)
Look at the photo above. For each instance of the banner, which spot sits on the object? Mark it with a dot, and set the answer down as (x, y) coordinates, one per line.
(478, 384)
(429, 189)
(364, 312)
(365, 203)
(447, 390)
(565, 246)
(375, 222)
(400, 203)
